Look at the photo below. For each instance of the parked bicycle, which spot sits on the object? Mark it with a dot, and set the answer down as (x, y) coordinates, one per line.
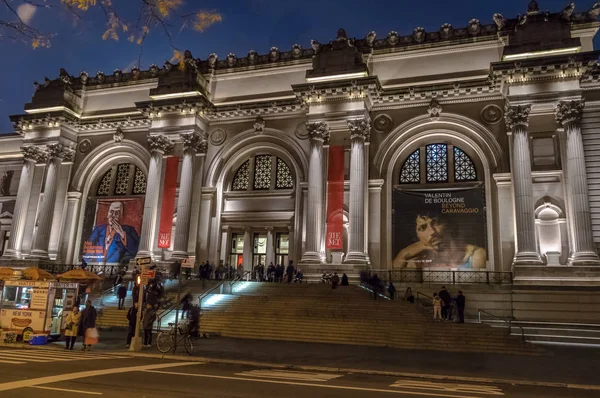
(165, 341)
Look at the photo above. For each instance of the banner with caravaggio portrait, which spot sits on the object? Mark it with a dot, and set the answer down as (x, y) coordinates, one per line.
(439, 229)
(111, 233)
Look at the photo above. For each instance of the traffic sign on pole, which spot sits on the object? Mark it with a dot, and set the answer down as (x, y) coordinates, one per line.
(143, 261)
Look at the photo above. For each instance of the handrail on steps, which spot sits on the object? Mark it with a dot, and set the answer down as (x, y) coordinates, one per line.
(480, 311)
(245, 275)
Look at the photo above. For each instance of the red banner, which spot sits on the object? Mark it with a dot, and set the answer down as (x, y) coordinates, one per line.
(168, 203)
(335, 198)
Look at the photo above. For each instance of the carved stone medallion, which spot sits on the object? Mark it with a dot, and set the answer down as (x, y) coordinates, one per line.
(301, 131)
(491, 114)
(383, 123)
(85, 146)
(217, 137)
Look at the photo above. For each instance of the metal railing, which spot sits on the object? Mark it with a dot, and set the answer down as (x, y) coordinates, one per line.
(449, 277)
(102, 270)
(210, 291)
(246, 275)
(508, 321)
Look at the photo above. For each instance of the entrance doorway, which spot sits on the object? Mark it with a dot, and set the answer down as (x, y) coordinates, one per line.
(282, 249)
(236, 256)
(259, 250)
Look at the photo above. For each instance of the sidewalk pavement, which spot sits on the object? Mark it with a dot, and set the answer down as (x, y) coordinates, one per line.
(563, 365)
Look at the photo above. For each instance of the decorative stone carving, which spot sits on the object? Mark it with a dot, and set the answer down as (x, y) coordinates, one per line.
(160, 143)
(446, 31)
(316, 46)
(370, 38)
(100, 77)
(360, 128)
(118, 74)
(274, 54)
(135, 72)
(252, 57)
(393, 38)
(474, 27)
(31, 152)
(59, 151)
(522, 19)
(383, 123)
(118, 136)
(434, 109)
(68, 154)
(5, 182)
(568, 11)
(83, 77)
(491, 114)
(259, 125)
(500, 21)
(318, 131)
(516, 115)
(594, 11)
(301, 132)
(212, 60)
(419, 34)
(341, 35)
(231, 60)
(85, 146)
(168, 66)
(64, 76)
(296, 51)
(202, 146)
(154, 70)
(533, 8)
(190, 141)
(569, 111)
(217, 137)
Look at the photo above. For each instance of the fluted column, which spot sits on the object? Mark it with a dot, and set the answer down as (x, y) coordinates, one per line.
(31, 155)
(360, 131)
(56, 153)
(270, 247)
(517, 120)
(318, 133)
(568, 114)
(247, 253)
(192, 143)
(159, 146)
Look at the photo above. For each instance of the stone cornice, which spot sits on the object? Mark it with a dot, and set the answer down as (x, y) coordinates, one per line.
(569, 111)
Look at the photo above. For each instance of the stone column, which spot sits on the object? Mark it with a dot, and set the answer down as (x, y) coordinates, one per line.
(568, 114)
(31, 155)
(159, 146)
(56, 153)
(360, 131)
(517, 121)
(270, 247)
(247, 255)
(318, 133)
(68, 239)
(191, 144)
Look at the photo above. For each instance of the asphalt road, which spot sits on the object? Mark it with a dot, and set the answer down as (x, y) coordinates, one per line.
(51, 374)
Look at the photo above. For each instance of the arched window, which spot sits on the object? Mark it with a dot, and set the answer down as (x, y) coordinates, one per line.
(263, 172)
(437, 163)
(122, 180)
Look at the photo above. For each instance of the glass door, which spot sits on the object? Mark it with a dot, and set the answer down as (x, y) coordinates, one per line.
(259, 250)
(236, 255)
(282, 249)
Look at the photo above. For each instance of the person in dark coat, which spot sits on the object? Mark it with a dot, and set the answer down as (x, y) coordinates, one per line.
(335, 280)
(88, 321)
(290, 272)
(392, 291)
(132, 318)
(185, 305)
(447, 301)
(375, 285)
(461, 301)
(345, 281)
(121, 294)
(147, 322)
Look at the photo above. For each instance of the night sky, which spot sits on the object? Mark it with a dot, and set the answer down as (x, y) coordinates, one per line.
(246, 25)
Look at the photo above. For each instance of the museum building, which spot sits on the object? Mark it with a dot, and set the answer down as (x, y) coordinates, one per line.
(472, 147)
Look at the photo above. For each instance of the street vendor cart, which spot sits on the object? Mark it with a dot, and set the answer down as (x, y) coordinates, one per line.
(36, 307)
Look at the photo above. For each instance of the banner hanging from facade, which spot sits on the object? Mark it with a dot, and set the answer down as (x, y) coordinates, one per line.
(335, 198)
(439, 229)
(168, 203)
(115, 235)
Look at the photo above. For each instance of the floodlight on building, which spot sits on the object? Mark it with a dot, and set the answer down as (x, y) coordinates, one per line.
(337, 77)
(535, 54)
(176, 95)
(52, 109)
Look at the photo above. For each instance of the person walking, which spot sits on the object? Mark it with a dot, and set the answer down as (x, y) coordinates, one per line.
(132, 318)
(87, 322)
(72, 324)
(122, 294)
(446, 305)
(408, 296)
(392, 291)
(461, 301)
(437, 307)
(375, 285)
(147, 322)
(185, 305)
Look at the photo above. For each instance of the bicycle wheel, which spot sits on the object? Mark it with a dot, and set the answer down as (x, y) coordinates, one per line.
(187, 343)
(164, 342)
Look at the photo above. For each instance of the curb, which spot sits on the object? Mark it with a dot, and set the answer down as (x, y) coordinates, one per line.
(485, 380)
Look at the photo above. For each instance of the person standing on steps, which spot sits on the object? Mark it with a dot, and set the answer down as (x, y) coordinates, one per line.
(335, 280)
(345, 281)
(408, 296)
(132, 318)
(88, 321)
(185, 305)
(446, 305)
(147, 322)
(375, 285)
(72, 324)
(392, 291)
(461, 301)
(289, 272)
(121, 294)
(437, 307)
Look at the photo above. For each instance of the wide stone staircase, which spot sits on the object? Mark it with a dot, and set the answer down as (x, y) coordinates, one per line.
(347, 315)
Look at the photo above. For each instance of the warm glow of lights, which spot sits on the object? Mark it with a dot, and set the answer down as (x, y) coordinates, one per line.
(336, 77)
(176, 95)
(570, 50)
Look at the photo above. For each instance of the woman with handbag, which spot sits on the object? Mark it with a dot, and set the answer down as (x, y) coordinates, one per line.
(87, 327)
(72, 324)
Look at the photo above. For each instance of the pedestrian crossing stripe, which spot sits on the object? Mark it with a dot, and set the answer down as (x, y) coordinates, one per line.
(289, 375)
(22, 356)
(479, 389)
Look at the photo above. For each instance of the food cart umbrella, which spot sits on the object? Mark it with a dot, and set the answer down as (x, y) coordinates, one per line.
(6, 273)
(80, 275)
(37, 274)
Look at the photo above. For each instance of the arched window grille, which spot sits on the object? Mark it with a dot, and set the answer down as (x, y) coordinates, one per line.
(263, 172)
(464, 169)
(438, 163)
(122, 180)
(411, 171)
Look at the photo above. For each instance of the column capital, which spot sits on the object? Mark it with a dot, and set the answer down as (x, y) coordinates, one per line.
(516, 115)
(318, 131)
(73, 196)
(569, 111)
(360, 128)
(160, 143)
(32, 153)
(59, 151)
(193, 141)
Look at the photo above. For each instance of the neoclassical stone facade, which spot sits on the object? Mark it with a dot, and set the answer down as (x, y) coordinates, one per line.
(510, 110)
